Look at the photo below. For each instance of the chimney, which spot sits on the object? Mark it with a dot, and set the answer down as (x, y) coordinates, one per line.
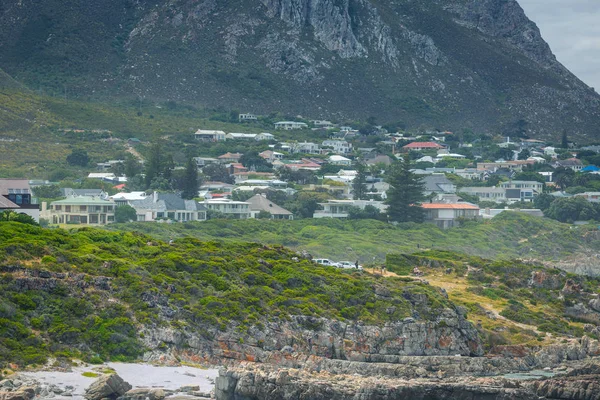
(155, 196)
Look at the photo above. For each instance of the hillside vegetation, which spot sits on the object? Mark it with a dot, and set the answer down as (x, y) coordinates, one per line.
(509, 235)
(90, 291)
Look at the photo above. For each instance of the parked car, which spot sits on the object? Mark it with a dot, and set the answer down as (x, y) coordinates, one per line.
(348, 265)
(325, 261)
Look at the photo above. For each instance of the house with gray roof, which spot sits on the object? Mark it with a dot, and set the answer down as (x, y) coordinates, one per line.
(437, 183)
(15, 195)
(260, 203)
(168, 206)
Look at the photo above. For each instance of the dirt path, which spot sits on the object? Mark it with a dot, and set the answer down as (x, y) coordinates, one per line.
(129, 148)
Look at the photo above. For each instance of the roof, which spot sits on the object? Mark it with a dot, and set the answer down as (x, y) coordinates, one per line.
(207, 132)
(6, 184)
(81, 192)
(6, 204)
(456, 206)
(288, 122)
(84, 201)
(166, 202)
(261, 203)
(432, 182)
(414, 145)
(230, 155)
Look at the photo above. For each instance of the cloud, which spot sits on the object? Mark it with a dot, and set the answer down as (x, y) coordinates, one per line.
(572, 29)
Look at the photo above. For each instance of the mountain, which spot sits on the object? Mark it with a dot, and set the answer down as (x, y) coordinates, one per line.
(456, 64)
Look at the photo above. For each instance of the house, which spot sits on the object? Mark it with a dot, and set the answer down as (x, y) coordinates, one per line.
(204, 161)
(420, 146)
(106, 166)
(573, 163)
(15, 195)
(121, 199)
(241, 136)
(84, 210)
(445, 215)
(512, 165)
(437, 183)
(469, 173)
(290, 125)
(305, 163)
(537, 187)
(265, 136)
(322, 124)
(247, 117)
(486, 193)
(260, 203)
(271, 155)
(103, 176)
(380, 160)
(339, 146)
(304, 148)
(210, 136)
(550, 151)
(228, 158)
(340, 208)
(167, 206)
(593, 197)
(339, 160)
(230, 208)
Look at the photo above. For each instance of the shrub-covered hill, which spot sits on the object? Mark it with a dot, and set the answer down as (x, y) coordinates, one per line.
(509, 235)
(91, 292)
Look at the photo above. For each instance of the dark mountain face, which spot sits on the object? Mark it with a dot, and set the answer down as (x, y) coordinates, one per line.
(478, 64)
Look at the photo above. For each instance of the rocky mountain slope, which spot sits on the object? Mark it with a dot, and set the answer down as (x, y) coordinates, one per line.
(440, 64)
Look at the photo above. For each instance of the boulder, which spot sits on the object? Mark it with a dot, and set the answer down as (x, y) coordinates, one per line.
(143, 394)
(23, 393)
(107, 387)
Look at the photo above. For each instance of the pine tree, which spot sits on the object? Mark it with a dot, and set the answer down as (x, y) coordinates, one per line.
(190, 183)
(153, 164)
(565, 140)
(359, 185)
(405, 194)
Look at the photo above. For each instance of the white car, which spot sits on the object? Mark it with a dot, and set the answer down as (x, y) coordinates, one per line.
(348, 265)
(325, 261)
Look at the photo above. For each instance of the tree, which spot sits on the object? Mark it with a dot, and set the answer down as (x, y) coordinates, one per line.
(47, 192)
(563, 177)
(78, 157)
(125, 213)
(131, 166)
(217, 173)
(564, 142)
(524, 154)
(12, 216)
(359, 185)
(190, 182)
(253, 161)
(572, 209)
(529, 176)
(153, 164)
(405, 193)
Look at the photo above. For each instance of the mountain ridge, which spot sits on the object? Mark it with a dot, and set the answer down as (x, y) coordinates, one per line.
(481, 65)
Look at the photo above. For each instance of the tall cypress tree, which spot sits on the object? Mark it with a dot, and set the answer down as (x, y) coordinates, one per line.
(359, 185)
(405, 194)
(190, 189)
(153, 164)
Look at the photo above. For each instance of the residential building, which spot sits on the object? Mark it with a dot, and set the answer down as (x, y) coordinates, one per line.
(84, 210)
(339, 160)
(304, 148)
(512, 165)
(340, 208)
(296, 165)
(271, 155)
(265, 136)
(290, 125)
(469, 173)
(593, 197)
(228, 158)
(210, 136)
(15, 195)
(380, 159)
(322, 124)
(573, 163)
(241, 136)
(534, 185)
(123, 198)
(420, 146)
(338, 146)
(230, 208)
(204, 161)
(247, 117)
(106, 166)
(445, 215)
(168, 206)
(260, 203)
(70, 192)
(437, 183)
(486, 193)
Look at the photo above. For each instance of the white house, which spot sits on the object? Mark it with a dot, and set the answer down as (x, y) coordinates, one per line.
(340, 208)
(265, 136)
(290, 125)
(168, 206)
(247, 117)
(236, 209)
(444, 215)
(210, 136)
(339, 146)
(305, 148)
(241, 136)
(322, 124)
(339, 160)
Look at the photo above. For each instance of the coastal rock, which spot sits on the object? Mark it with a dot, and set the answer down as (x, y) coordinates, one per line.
(107, 387)
(23, 393)
(144, 394)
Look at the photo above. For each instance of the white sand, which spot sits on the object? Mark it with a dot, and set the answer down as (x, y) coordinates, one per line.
(138, 375)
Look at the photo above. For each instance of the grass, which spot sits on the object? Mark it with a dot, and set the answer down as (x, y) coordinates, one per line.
(88, 374)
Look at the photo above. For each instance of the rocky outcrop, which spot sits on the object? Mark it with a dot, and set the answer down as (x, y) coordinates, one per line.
(257, 383)
(107, 387)
(38, 279)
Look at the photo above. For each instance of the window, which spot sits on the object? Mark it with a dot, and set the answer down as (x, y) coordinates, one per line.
(83, 208)
(67, 208)
(58, 207)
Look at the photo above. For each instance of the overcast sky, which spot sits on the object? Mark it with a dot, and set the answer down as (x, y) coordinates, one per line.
(572, 29)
